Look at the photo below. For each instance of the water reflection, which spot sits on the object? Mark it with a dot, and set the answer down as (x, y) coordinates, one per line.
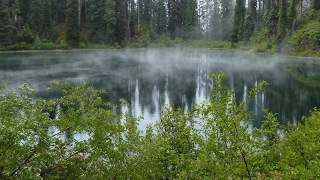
(151, 79)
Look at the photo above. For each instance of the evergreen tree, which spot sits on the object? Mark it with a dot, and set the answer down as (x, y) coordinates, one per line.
(147, 12)
(189, 18)
(121, 23)
(36, 17)
(316, 4)
(215, 22)
(84, 12)
(239, 14)
(272, 18)
(226, 19)
(24, 10)
(61, 10)
(139, 13)
(292, 14)
(249, 24)
(248, 28)
(160, 17)
(283, 19)
(5, 25)
(132, 17)
(98, 21)
(174, 17)
(49, 32)
(110, 18)
(26, 35)
(205, 9)
(72, 24)
(54, 11)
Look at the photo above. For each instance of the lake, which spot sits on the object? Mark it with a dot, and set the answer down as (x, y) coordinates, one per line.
(149, 79)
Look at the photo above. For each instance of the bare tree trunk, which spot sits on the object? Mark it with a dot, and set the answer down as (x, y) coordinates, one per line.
(259, 10)
(263, 6)
(79, 13)
(128, 21)
(293, 28)
(138, 15)
(301, 5)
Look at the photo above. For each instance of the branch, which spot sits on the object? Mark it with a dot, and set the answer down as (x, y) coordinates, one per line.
(57, 166)
(55, 109)
(68, 128)
(81, 150)
(24, 162)
(245, 161)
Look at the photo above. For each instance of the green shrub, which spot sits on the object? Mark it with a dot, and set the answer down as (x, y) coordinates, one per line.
(306, 40)
(82, 45)
(212, 142)
(62, 45)
(24, 46)
(39, 45)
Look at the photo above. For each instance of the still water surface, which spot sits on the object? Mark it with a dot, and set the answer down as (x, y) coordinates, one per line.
(149, 79)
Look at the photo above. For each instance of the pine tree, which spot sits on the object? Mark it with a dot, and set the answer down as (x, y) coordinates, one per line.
(5, 25)
(283, 19)
(248, 28)
(174, 17)
(49, 32)
(132, 17)
(54, 11)
(292, 14)
(98, 27)
(226, 19)
(272, 18)
(160, 17)
(36, 17)
(24, 10)
(205, 9)
(27, 35)
(239, 14)
(61, 10)
(121, 22)
(316, 4)
(139, 13)
(249, 24)
(147, 12)
(189, 17)
(111, 21)
(72, 24)
(215, 21)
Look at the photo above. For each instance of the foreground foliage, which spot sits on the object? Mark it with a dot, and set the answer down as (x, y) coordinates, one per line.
(40, 139)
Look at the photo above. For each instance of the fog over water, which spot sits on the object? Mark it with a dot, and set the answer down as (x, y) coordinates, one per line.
(149, 79)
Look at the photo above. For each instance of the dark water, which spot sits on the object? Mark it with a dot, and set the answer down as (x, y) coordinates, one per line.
(150, 79)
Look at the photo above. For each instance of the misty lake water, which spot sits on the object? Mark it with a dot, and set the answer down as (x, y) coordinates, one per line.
(149, 79)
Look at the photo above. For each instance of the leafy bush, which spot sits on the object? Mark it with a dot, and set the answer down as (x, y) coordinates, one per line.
(38, 139)
(82, 45)
(39, 45)
(306, 40)
(62, 45)
(263, 47)
(24, 46)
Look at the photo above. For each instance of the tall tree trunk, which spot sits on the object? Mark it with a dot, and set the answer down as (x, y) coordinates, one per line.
(138, 4)
(79, 13)
(293, 27)
(301, 6)
(129, 9)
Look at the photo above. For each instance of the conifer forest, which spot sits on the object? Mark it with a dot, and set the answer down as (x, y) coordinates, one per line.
(264, 25)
